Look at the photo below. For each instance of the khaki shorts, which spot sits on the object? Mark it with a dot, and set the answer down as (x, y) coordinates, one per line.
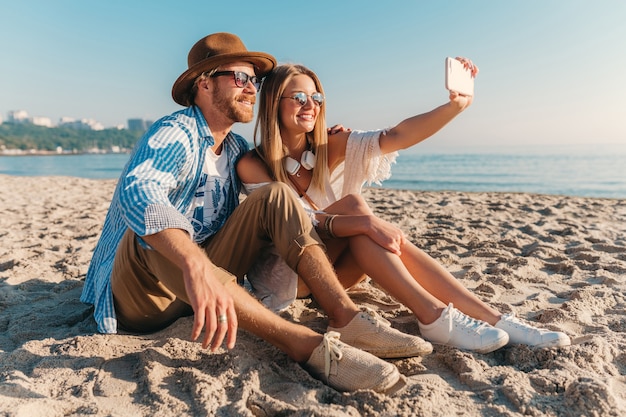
(148, 289)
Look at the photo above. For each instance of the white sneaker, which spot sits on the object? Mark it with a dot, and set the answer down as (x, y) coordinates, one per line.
(454, 328)
(525, 334)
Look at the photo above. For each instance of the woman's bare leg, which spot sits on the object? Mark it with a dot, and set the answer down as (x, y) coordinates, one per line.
(390, 273)
(439, 282)
(414, 278)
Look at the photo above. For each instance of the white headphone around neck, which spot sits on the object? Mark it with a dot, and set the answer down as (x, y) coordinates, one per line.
(307, 161)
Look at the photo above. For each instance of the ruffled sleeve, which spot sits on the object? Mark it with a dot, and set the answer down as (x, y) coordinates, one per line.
(364, 163)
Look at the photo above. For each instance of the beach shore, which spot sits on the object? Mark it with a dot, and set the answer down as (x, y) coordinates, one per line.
(559, 262)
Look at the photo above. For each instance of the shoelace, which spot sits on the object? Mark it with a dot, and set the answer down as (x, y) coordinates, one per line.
(467, 321)
(373, 317)
(510, 318)
(332, 350)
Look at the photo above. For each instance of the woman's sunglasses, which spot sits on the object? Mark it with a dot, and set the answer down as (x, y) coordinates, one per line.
(301, 98)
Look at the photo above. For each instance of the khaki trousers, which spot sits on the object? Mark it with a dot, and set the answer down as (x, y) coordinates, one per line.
(148, 289)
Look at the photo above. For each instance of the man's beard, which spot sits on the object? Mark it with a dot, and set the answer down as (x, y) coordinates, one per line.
(230, 108)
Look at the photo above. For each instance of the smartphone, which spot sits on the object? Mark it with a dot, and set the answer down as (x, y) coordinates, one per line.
(458, 78)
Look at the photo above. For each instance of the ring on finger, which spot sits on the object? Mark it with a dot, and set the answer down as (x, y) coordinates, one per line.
(222, 318)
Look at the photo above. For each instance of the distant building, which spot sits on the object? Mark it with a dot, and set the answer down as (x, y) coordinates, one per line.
(42, 121)
(84, 124)
(18, 116)
(139, 124)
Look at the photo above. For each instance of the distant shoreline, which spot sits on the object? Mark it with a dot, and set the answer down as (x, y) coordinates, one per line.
(582, 173)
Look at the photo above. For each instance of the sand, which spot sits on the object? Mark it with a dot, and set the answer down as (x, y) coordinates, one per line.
(557, 261)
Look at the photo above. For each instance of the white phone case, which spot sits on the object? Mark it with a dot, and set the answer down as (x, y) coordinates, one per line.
(458, 78)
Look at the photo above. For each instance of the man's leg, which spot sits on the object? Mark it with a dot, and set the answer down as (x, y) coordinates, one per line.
(144, 303)
(325, 357)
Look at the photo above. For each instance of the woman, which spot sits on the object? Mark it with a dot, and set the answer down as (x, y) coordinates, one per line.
(328, 175)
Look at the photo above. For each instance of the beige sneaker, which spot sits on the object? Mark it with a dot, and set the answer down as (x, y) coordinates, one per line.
(370, 332)
(345, 368)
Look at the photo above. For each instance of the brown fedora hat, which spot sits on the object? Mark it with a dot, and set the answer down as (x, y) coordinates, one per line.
(209, 53)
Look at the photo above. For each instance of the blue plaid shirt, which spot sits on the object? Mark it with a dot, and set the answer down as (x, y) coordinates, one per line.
(155, 192)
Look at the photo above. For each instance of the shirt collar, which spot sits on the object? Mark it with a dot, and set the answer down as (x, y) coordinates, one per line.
(203, 127)
(205, 132)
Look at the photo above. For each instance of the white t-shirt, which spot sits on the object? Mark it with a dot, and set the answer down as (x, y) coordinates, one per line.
(211, 193)
(216, 168)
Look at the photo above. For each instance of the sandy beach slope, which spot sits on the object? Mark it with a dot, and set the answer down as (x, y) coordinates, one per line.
(557, 261)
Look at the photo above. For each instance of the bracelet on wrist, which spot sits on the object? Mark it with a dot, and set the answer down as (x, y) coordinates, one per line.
(328, 226)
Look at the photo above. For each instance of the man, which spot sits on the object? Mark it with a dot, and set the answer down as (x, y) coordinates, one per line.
(175, 239)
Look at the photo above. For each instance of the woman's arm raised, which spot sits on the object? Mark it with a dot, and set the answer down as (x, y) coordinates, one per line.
(415, 129)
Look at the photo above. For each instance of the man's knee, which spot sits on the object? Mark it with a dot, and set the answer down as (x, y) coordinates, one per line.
(278, 201)
(287, 222)
(274, 191)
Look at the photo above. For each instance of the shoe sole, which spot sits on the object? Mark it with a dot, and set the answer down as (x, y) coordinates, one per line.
(497, 344)
(402, 353)
(554, 343)
(397, 387)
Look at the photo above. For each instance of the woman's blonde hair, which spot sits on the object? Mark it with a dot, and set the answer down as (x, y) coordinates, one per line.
(270, 146)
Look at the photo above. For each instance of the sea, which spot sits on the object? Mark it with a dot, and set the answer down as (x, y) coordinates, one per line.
(575, 170)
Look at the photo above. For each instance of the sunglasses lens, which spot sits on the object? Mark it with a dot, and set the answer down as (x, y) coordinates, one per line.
(318, 98)
(241, 79)
(301, 98)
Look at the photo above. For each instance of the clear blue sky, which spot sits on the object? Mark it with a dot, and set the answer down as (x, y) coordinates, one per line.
(550, 71)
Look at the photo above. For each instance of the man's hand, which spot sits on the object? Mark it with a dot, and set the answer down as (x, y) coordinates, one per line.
(212, 304)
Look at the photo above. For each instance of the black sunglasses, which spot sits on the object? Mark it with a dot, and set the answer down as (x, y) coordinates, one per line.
(301, 98)
(241, 78)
